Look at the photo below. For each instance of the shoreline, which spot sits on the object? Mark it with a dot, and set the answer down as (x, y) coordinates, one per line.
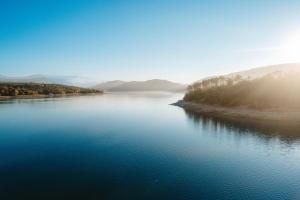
(41, 96)
(279, 123)
(241, 113)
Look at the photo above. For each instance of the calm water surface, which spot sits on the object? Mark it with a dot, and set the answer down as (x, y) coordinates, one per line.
(136, 146)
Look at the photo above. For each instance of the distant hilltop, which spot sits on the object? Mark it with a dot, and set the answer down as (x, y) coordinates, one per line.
(109, 86)
(259, 72)
(47, 79)
(263, 71)
(141, 86)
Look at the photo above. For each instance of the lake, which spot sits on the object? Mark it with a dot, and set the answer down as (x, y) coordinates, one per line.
(137, 146)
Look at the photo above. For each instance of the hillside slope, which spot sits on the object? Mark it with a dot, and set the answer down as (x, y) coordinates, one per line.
(263, 71)
(140, 86)
(277, 90)
(106, 86)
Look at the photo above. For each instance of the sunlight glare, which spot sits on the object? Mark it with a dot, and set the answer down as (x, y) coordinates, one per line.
(290, 47)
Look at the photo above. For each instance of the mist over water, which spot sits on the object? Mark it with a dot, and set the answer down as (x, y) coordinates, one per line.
(137, 146)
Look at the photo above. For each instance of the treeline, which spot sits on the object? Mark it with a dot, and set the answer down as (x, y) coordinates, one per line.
(276, 90)
(16, 89)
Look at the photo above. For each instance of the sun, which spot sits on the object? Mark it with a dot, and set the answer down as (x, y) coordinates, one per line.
(290, 47)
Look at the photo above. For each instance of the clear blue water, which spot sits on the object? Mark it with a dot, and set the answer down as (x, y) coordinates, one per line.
(118, 146)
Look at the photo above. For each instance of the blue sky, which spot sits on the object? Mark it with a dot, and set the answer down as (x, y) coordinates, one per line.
(180, 40)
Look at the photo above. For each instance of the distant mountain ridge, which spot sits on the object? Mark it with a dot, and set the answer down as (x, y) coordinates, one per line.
(112, 86)
(263, 71)
(259, 72)
(140, 86)
(106, 86)
(39, 78)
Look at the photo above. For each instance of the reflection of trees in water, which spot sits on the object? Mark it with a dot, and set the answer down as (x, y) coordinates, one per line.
(36, 100)
(240, 127)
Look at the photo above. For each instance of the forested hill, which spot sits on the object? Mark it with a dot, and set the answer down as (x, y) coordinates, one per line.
(275, 90)
(34, 89)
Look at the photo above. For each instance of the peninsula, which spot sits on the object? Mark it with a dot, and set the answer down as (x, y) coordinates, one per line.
(270, 97)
